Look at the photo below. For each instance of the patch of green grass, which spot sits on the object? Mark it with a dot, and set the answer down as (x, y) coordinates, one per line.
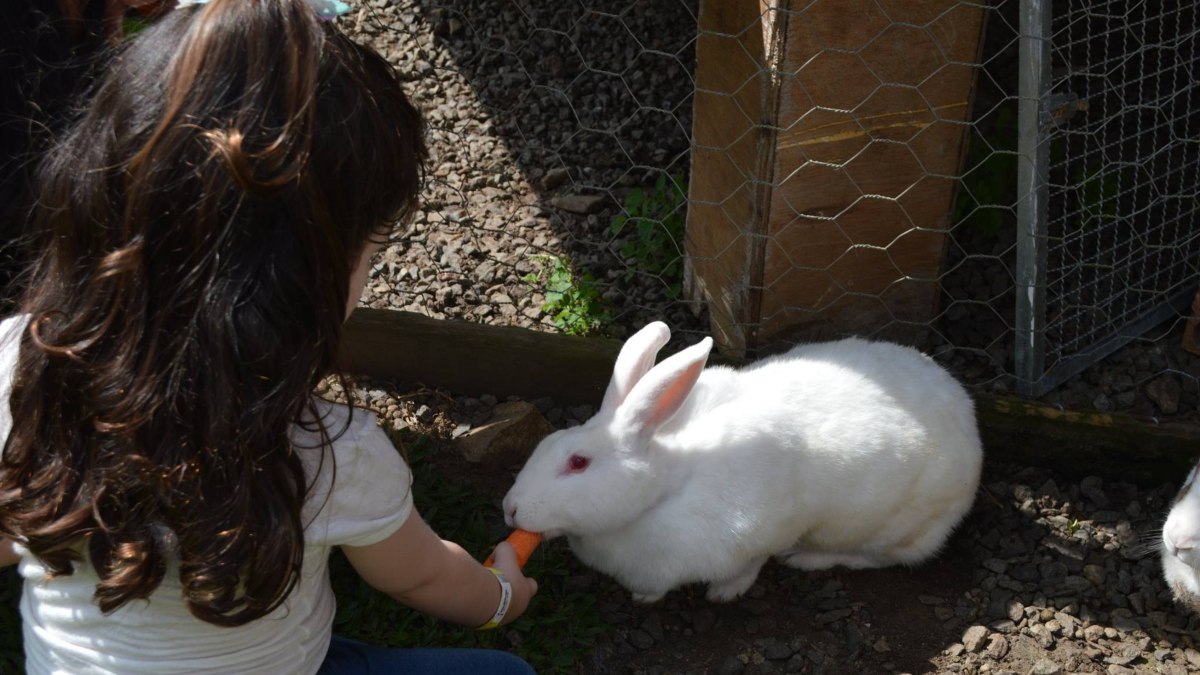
(561, 627)
(573, 301)
(989, 189)
(656, 243)
(988, 193)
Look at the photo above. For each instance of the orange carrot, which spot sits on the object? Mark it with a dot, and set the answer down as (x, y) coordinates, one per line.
(523, 542)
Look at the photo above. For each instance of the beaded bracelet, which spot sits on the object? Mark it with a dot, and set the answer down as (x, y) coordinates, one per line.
(505, 600)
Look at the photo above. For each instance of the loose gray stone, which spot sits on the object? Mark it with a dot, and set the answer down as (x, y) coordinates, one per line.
(974, 637)
(581, 204)
(555, 177)
(641, 639)
(1094, 574)
(835, 615)
(1016, 611)
(1124, 655)
(774, 650)
(1165, 393)
(1045, 667)
(995, 565)
(732, 665)
(511, 434)
(997, 647)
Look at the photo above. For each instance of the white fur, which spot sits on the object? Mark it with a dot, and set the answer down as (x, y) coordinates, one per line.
(855, 453)
(1181, 543)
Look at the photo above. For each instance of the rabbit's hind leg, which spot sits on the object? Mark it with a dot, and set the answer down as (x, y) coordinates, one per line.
(647, 598)
(811, 561)
(921, 544)
(725, 590)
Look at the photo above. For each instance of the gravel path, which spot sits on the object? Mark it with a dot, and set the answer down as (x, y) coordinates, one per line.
(533, 148)
(543, 116)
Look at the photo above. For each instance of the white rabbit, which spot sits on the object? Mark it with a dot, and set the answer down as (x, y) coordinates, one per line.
(855, 453)
(1181, 543)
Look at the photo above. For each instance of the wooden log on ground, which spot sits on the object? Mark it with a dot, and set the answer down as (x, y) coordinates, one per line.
(475, 359)
(1088, 442)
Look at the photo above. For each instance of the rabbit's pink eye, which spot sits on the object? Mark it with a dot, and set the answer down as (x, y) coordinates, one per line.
(577, 463)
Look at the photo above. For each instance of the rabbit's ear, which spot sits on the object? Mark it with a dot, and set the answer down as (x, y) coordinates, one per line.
(634, 361)
(661, 392)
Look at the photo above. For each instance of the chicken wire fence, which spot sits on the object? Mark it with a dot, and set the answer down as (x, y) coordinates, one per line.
(566, 173)
(1112, 176)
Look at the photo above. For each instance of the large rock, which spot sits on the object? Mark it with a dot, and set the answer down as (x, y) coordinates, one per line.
(513, 431)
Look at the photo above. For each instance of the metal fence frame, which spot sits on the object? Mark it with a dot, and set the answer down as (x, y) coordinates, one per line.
(1037, 128)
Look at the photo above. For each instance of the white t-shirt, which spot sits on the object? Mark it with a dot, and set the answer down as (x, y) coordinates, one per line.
(65, 631)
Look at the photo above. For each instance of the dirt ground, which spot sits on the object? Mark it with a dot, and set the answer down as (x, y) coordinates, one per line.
(1051, 572)
(1012, 593)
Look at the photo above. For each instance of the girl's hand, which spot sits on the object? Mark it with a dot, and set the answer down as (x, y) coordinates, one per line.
(439, 577)
(523, 587)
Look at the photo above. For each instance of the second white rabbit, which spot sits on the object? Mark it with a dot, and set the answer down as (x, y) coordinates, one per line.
(1181, 543)
(855, 453)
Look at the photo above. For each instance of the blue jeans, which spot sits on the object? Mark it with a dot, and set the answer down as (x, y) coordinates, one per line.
(349, 657)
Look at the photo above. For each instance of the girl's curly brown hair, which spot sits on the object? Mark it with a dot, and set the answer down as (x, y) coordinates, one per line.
(198, 225)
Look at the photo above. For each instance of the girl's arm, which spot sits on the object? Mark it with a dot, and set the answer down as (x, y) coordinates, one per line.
(8, 555)
(437, 577)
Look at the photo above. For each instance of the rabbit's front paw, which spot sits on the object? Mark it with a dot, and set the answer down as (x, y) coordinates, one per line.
(811, 561)
(647, 599)
(734, 587)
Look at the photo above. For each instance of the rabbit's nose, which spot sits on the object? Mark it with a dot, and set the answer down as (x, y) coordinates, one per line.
(1181, 541)
(1181, 546)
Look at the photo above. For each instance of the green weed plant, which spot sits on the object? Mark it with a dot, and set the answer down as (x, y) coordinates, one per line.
(988, 194)
(656, 217)
(573, 301)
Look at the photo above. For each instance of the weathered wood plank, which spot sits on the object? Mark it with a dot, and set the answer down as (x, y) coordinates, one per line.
(730, 145)
(474, 359)
(1081, 443)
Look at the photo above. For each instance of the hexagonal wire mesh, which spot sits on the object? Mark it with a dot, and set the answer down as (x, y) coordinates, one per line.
(1117, 146)
(564, 147)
